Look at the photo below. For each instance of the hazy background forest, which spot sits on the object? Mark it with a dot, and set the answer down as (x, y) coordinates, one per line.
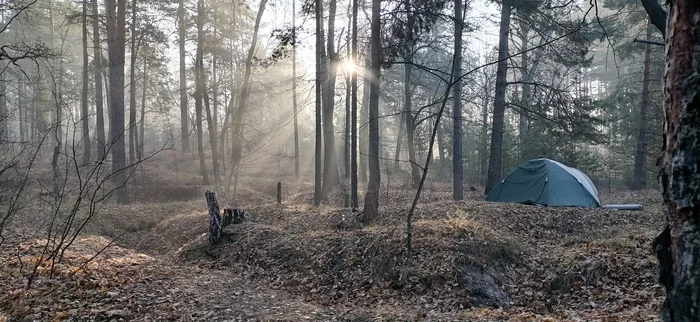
(117, 115)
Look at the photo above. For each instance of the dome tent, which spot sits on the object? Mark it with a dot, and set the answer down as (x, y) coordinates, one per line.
(546, 182)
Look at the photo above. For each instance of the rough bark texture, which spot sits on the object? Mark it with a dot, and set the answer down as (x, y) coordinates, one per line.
(640, 176)
(371, 210)
(184, 115)
(318, 184)
(457, 170)
(97, 65)
(499, 105)
(84, 95)
(678, 246)
(331, 177)
(353, 87)
(116, 30)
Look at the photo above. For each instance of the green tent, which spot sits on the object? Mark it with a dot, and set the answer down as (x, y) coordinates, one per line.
(548, 183)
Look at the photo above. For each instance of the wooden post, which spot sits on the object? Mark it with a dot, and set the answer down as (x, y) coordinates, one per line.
(279, 192)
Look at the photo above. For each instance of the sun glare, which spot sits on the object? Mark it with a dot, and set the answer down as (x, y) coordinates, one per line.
(347, 66)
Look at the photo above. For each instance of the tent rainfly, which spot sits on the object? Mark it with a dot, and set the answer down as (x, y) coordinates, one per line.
(548, 183)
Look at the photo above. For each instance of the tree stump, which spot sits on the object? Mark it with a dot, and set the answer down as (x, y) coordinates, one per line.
(215, 222)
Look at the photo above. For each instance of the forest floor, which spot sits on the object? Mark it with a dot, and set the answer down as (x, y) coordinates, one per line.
(471, 261)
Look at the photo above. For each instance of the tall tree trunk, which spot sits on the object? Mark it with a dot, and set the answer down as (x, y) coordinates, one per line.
(353, 87)
(245, 89)
(483, 152)
(408, 115)
(116, 32)
(97, 65)
(21, 109)
(199, 91)
(331, 177)
(142, 123)
(346, 136)
(399, 136)
(318, 184)
(639, 180)
(294, 90)
(678, 245)
(364, 118)
(84, 94)
(499, 105)
(133, 135)
(524, 122)
(184, 115)
(457, 169)
(371, 210)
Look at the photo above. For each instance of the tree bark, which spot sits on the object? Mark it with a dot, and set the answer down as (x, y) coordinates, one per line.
(294, 90)
(97, 65)
(133, 134)
(657, 15)
(331, 177)
(639, 180)
(318, 184)
(364, 119)
(499, 105)
(245, 90)
(199, 92)
(371, 209)
(525, 95)
(142, 123)
(483, 152)
(397, 153)
(84, 95)
(678, 245)
(457, 170)
(184, 115)
(353, 87)
(116, 30)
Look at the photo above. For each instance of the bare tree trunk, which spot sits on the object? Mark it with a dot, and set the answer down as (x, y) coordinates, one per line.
(245, 89)
(678, 245)
(84, 95)
(397, 153)
(457, 169)
(97, 65)
(21, 109)
(371, 210)
(346, 136)
(133, 134)
(408, 115)
(294, 90)
(142, 123)
(184, 117)
(639, 180)
(331, 177)
(364, 118)
(199, 91)
(499, 105)
(483, 152)
(525, 96)
(116, 32)
(318, 184)
(353, 86)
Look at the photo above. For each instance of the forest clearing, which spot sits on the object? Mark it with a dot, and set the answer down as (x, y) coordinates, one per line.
(346, 160)
(472, 261)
